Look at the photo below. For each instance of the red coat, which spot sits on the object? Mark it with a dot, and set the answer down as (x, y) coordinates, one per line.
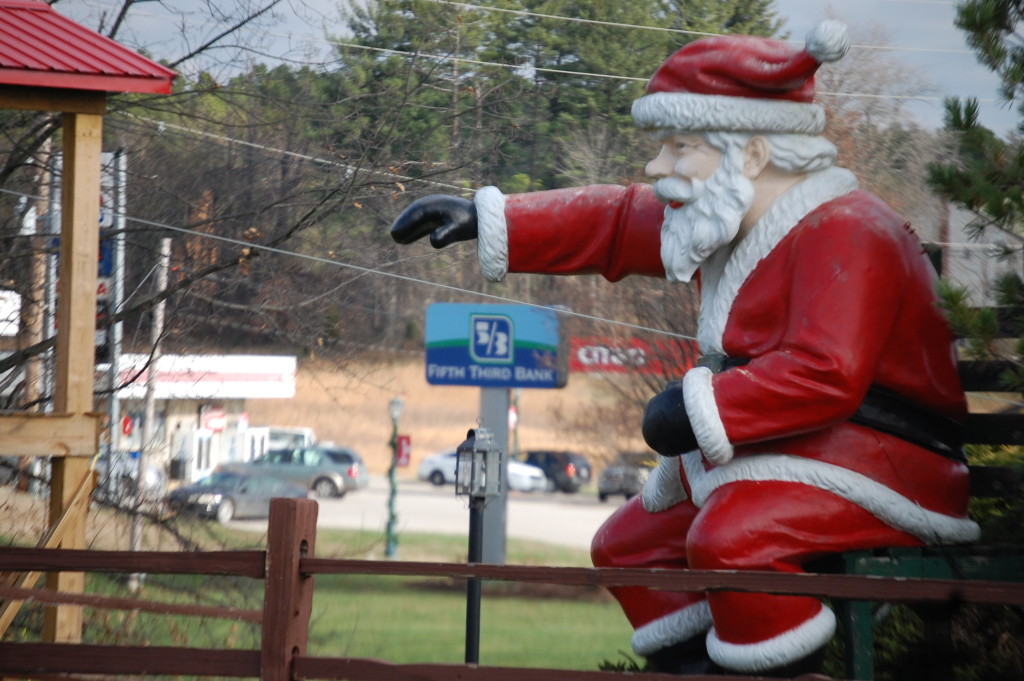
(829, 294)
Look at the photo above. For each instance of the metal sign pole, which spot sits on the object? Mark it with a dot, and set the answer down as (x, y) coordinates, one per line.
(494, 404)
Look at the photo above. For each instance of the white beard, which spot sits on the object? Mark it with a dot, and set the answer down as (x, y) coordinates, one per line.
(709, 220)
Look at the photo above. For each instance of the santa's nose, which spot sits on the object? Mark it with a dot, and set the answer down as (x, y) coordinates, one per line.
(662, 165)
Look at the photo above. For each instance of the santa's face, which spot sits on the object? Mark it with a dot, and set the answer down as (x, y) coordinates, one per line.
(707, 196)
(683, 159)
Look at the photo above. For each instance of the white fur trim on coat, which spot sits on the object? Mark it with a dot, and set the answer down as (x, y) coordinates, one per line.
(663, 488)
(699, 398)
(884, 503)
(673, 628)
(790, 646)
(492, 233)
(689, 112)
(723, 273)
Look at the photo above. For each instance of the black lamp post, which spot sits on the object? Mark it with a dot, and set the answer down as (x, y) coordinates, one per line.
(478, 475)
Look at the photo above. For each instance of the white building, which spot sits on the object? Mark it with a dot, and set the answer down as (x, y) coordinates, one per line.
(200, 407)
(975, 263)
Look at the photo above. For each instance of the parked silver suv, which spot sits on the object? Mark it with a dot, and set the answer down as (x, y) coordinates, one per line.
(327, 470)
(626, 475)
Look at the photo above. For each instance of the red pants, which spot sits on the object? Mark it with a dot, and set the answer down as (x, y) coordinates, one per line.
(774, 526)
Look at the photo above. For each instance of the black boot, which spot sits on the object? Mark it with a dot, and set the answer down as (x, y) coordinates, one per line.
(688, 657)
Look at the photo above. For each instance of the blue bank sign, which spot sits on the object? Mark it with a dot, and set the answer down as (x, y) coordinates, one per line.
(494, 346)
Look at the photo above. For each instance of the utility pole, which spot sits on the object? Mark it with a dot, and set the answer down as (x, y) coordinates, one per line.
(149, 420)
(33, 305)
(115, 331)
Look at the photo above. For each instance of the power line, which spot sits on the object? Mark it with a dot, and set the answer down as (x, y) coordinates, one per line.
(464, 60)
(966, 246)
(521, 67)
(555, 17)
(684, 31)
(595, 22)
(680, 30)
(414, 280)
(349, 169)
(526, 68)
(375, 271)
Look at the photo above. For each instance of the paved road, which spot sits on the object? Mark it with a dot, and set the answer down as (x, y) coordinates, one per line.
(557, 518)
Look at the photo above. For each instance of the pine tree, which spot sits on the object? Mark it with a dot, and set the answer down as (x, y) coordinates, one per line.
(986, 178)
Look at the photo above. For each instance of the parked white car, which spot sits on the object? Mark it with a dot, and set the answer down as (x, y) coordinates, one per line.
(439, 469)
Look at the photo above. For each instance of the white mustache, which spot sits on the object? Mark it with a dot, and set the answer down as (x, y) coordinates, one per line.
(669, 189)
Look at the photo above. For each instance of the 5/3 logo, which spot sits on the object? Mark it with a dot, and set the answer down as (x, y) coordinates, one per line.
(492, 339)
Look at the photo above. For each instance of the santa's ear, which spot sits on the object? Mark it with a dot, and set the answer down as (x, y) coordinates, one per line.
(756, 155)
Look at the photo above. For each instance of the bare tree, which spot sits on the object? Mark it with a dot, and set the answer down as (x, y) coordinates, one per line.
(866, 96)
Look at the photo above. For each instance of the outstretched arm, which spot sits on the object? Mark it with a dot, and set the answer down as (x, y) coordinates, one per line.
(609, 230)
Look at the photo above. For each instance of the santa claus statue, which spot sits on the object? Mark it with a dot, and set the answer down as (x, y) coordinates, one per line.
(826, 413)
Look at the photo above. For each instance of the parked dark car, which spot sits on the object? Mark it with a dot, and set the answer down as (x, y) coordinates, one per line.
(565, 471)
(626, 475)
(229, 495)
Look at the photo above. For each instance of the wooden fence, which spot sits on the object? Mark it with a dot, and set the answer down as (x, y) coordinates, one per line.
(289, 566)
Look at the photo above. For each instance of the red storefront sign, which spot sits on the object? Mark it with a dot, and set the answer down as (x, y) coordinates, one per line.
(597, 354)
(213, 418)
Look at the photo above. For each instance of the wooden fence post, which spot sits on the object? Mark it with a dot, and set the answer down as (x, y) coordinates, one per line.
(288, 594)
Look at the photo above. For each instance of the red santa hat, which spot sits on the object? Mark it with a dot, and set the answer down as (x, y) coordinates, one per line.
(741, 84)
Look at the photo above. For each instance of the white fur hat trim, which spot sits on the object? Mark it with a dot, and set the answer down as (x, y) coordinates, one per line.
(689, 112)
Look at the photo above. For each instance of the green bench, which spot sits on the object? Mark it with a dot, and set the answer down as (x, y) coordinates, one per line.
(974, 562)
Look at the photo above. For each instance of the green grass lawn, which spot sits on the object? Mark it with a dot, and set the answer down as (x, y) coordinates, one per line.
(406, 620)
(394, 619)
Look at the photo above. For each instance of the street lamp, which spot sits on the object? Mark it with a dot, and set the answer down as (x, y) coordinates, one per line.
(395, 410)
(478, 475)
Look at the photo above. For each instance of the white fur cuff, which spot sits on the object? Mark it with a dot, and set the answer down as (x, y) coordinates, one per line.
(787, 647)
(675, 627)
(492, 233)
(663, 488)
(699, 397)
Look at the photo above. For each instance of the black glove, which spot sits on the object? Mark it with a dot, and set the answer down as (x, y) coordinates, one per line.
(446, 219)
(666, 426)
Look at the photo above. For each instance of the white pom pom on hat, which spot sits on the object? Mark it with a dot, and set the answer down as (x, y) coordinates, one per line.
(828, 41)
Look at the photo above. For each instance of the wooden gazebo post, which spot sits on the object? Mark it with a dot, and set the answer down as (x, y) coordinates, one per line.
(70, 433)
(75, 348)
(57, 65)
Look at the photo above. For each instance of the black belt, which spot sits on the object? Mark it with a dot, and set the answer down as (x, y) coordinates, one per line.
(888, 412)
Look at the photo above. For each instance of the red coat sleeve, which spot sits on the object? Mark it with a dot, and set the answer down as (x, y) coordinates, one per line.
(610, 230)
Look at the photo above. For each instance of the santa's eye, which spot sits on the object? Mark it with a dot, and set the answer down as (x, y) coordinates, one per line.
(685, 144)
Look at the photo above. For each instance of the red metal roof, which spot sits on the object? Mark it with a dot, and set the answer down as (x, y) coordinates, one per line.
(41, 48)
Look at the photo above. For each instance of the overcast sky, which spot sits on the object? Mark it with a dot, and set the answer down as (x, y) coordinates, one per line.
(921, 30)
(928, 39)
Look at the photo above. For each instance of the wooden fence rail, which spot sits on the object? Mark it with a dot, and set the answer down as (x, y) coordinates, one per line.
(288, 567)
